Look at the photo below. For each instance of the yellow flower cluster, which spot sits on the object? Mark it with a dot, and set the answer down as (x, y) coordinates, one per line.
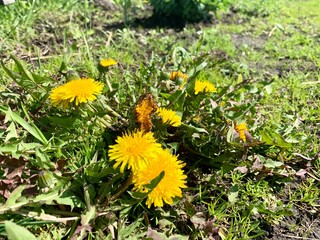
(78, 91)
(204, 86)
(146, 159)
(144, 109)
(241, 130)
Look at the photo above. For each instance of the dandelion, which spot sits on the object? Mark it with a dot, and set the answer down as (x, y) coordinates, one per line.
(174, 75)
(133, 150)
(169, 186)
(78, 91)
(107, 62)
(204, 86)
(56, 97)
(145, 107)
(169, 116)
(177, 76)
(241, 129)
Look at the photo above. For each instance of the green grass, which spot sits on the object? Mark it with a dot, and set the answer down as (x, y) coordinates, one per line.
(263, 57)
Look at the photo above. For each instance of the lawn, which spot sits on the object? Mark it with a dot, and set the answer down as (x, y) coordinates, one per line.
(116, 124)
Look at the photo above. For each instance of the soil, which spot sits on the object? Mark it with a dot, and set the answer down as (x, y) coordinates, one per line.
(303, 224)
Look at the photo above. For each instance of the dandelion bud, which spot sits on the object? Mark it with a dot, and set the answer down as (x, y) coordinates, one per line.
(46, 179)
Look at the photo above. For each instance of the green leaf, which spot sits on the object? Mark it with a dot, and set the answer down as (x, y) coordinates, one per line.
(268, 88)
(150, 187)
(266, 137)
(16, 232)
(240, 79)
(70, 199)
(98, 170)
(275, 139)
(67, 122)
(32, 129)
(22, 69)
(125, 231)
(15, 77)
(88, 216)
(9, 148)
(12, 132)
(177, 99)
(192, 129)
(233, 195)
(201, 66)
(272, 164)
(27, 146)
(15, 195)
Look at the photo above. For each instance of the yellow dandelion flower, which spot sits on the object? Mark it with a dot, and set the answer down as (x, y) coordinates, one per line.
(56, 97)
(241, 129)
(203, 86)
(78, 91)
(107, 62)
(133, 149)
(170, 185)
(175, 76)
(169, 116)
(145, 107)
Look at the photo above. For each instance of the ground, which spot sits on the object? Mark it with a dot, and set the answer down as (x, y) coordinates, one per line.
(272, 45)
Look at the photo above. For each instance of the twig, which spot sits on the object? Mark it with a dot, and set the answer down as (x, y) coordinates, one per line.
(109, 39)
(122, 188)
(313, 176)
(296, 237)
(48, 217)
(302, 156)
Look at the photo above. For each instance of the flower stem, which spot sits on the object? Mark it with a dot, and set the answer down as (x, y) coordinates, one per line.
(120, 190)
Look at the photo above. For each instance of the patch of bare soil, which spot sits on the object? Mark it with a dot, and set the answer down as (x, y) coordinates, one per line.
(303, 224)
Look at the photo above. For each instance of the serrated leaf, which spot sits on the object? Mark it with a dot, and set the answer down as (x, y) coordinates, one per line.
(177, 99)
(16, 232)
(266, 137)
(31, 128)
(15, 195)
(191, 130)
(98, 170)
(70, 199)
(125, 231)
(275, 139)
(27, 146)
(22, 69)
(12, 132)
(11, 74)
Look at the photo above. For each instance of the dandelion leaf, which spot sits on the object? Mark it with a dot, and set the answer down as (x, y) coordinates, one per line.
(16, 232)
